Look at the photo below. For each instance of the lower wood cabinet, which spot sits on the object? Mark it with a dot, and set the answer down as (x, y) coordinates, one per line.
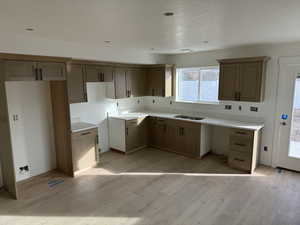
(243, 149)
(175, 135)
(128, 135)
(84, 149)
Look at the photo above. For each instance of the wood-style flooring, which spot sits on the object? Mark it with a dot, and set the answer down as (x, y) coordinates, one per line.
(155, 187)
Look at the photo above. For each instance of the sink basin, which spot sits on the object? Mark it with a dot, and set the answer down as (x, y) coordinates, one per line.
(188, 117)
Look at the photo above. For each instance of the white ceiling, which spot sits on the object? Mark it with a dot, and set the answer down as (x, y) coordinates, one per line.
(141, 25)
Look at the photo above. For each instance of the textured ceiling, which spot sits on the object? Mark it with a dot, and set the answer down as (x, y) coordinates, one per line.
(141, 25)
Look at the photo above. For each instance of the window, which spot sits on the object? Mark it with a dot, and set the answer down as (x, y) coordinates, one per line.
(198, 84)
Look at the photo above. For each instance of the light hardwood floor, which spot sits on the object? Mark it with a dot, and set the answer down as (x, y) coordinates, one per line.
(156, 187)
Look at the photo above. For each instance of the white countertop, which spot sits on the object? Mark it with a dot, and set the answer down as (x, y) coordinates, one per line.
(206, 120)
(81, 126)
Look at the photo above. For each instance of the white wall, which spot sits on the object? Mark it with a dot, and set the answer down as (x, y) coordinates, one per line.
(266, 109)
(32, 134)
(31, 44)
(96, 109)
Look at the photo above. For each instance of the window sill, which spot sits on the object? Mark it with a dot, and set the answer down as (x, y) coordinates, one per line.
(199, 102)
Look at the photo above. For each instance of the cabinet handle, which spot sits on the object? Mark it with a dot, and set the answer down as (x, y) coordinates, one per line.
(236, 96)
(36, 74)
(126, 131)
(152, 91)
(99, 76)
(163, 92)
(238, 144)
(97, 139)
(182, 131)
(41, 74)
(86, 133)
(102, 77)
(239, 96)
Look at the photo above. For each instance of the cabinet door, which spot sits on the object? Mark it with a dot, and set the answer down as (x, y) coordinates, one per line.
(92, 73)
(132, 135)
(76, 85)
(106, 73)
(229, 82)
(52, 71)
(156, 82)
(120, 83)
(171, 138)
(135, 82)
(84, 149)
(250, 81)
(20, 71)
(192, 132)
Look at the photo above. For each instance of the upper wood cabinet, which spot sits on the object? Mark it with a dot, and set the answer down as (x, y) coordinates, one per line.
(76, 83)
(20, 71)
(30, 71)
(136, 82)
(242, 79)
(120, 83)
(52, 71)
(96, 73)
(160, 81)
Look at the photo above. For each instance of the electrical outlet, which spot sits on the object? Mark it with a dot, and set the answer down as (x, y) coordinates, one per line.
(138, 101)
(117, 104)
(253, 109)
(228, 107)
(171, 102)
(240, 107)
(153, 101)
(265, 148)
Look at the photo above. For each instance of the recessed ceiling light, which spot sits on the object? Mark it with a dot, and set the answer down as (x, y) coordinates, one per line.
(107, 42)
(29, 29)
(152, 49)
(169, 14)
(205, 42)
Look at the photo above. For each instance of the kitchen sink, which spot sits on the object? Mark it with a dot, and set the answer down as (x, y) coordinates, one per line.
(188, 117)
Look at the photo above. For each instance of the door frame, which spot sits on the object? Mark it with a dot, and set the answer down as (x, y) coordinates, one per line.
(283, 63)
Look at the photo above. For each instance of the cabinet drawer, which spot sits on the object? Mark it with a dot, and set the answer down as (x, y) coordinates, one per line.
(89, 132)
(239, 160)
(241, 144)
(133, 122)
(242, 133)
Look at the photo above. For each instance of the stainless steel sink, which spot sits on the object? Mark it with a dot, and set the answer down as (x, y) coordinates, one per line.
(188, 117)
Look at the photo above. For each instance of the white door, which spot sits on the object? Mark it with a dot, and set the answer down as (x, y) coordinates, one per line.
(288, 114)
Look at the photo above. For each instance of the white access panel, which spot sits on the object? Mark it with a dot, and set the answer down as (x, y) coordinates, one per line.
(117, 134)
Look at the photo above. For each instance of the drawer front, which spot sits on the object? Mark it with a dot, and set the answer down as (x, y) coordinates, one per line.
(133, 122)
(241, 144)
(242, 133)
(239, 160)
(88, 132)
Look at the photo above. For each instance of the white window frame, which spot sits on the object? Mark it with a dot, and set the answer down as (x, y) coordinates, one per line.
(191, 68)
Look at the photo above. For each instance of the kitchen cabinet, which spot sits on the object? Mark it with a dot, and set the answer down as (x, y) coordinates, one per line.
(84, 149)
(20, 71)
(135, 82)
(76, 83)
(158, 132)
(175, 135)
(128, 135)
(187, 138)
(160, 81)
(96, 73)
(243, 149)
(120, 83)
(242, 79)
(30, 71)
(52, 71)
